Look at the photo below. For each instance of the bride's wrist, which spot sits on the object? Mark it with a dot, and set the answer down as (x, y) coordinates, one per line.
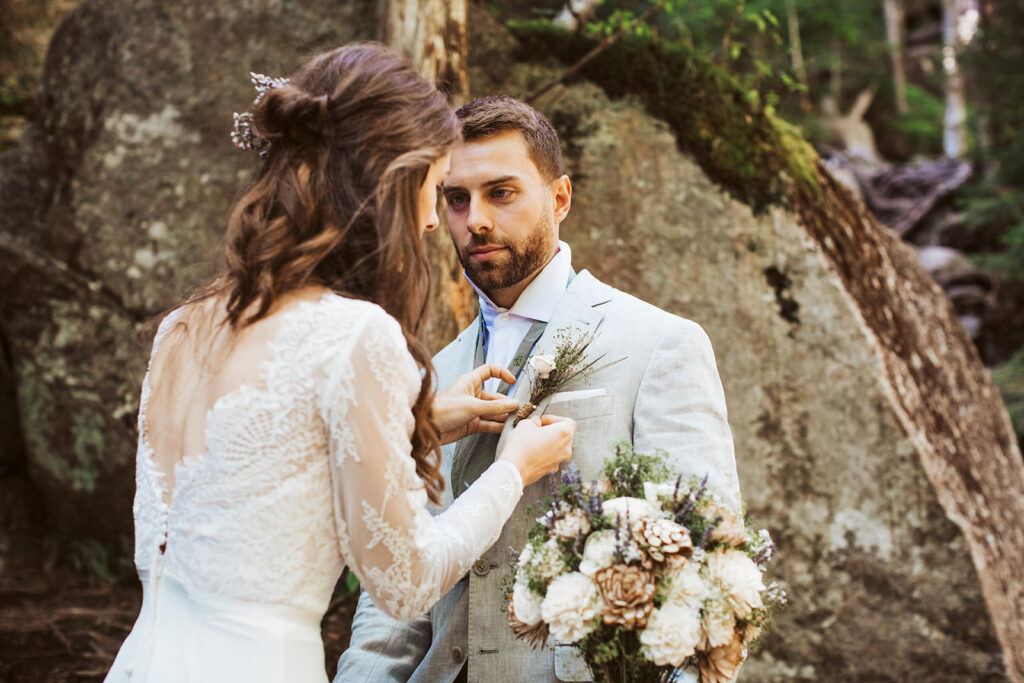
(519, 475)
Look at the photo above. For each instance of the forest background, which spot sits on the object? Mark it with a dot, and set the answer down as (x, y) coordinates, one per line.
(915, 106)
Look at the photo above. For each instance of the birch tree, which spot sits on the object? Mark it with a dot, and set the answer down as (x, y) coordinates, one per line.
(959, 24)
(894, 18)
(796, 52)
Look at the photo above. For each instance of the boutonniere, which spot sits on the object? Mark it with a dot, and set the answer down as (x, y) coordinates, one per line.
(550, 372)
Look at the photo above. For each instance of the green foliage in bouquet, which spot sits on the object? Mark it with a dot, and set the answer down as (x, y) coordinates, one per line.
(613, 653)
(627, 471)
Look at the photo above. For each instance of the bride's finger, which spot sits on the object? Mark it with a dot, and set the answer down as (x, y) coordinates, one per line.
(492, 408)
(490, 426)
(494, 396)
(490, 370)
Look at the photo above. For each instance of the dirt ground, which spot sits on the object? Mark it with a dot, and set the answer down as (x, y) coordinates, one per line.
(59, 626)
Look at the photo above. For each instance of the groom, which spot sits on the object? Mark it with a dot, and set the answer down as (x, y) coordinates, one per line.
(507, 196)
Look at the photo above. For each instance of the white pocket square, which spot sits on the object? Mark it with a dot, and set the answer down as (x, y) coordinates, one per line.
(580, 395)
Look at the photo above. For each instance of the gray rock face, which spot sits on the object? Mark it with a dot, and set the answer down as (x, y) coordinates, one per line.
(113, 206)
(881, 584)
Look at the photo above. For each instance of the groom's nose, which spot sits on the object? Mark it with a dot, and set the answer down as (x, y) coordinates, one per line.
(478, 219)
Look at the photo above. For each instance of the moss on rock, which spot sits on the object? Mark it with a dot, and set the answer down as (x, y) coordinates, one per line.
(758, 158)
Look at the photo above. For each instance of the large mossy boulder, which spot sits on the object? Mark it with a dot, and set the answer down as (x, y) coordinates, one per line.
(869, 438)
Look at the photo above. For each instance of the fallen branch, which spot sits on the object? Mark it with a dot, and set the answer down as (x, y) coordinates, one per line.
(913, 217)
(598, 49)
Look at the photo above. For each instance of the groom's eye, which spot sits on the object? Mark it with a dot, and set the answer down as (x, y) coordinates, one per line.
(456, 200)
(502, 193)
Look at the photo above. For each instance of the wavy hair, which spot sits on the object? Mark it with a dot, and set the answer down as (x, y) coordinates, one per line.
(335, 203)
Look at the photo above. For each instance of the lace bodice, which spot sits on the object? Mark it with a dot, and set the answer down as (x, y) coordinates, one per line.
(310, 470)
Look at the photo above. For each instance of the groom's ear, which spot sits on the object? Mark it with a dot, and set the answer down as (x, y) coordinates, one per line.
(562, 189)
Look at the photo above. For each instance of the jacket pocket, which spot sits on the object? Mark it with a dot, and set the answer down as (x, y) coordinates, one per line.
(581, 405)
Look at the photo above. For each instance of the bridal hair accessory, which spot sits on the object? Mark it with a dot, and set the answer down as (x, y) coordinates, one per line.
(242, 134)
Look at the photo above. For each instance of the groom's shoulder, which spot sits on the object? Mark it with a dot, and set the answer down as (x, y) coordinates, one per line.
(625, 310)
(449, 351)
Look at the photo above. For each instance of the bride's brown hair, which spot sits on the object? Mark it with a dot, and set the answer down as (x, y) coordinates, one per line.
(352, 136)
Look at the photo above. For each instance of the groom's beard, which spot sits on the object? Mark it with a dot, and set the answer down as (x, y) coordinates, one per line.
(519, 261)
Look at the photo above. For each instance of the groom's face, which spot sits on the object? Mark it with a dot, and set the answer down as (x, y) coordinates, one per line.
(503, 214)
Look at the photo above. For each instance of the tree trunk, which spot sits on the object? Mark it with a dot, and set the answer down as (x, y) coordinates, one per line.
(432, 33)
(954, 136)
(894, 16)
(797, 53)
(836, 73)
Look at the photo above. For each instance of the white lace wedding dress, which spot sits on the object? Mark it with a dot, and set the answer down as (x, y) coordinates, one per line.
(304, 471)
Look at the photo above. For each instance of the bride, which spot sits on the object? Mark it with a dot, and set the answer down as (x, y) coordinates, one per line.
(288, 425)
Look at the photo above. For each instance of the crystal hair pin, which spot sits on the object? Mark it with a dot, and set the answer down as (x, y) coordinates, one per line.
(242, 134)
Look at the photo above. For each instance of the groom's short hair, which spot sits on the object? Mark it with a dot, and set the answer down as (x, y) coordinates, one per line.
(487, 116)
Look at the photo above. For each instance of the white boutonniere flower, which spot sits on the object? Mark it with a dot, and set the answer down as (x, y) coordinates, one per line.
(543, 365)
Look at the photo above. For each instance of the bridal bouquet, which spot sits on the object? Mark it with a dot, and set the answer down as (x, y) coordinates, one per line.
(645, 576)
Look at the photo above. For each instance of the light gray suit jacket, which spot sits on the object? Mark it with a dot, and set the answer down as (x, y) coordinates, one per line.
(666, 395)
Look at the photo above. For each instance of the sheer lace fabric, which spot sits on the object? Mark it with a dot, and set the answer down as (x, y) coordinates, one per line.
(305, 471)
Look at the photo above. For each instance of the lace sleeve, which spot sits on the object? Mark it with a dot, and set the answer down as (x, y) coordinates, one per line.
(405, 558)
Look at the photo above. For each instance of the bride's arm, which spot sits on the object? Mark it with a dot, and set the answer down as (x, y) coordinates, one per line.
(405, 558)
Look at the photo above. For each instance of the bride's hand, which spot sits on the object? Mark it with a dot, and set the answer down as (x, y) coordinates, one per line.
(464, 408)
(538, 446)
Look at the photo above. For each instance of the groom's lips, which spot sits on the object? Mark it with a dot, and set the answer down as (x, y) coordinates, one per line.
(484, 253)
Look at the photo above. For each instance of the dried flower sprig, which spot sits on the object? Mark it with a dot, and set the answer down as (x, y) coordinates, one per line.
(569, 362)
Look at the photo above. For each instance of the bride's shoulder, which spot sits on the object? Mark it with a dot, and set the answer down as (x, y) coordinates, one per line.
(355, 317)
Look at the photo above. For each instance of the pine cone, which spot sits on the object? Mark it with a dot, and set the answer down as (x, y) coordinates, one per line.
(628, 593)
(663, 537)
(534, 635)
(721, 664)
(730, 530)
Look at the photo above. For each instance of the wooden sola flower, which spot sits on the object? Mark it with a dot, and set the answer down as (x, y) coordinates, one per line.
(720, 664)
(534, 635)
(729, 529)
(663, 537)
(628, 593)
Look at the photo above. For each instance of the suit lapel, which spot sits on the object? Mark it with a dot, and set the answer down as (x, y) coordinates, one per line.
(575, 310)
(457, 358)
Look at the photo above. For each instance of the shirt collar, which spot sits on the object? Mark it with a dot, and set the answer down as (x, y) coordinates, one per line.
(538, 300)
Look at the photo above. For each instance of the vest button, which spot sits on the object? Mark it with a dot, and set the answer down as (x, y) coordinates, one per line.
(458, 655)
(481, 567)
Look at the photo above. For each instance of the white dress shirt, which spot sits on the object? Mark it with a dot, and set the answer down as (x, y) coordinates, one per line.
(506, 327)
